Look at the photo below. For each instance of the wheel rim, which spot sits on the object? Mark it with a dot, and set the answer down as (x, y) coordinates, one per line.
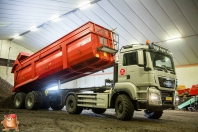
(29, 102)
(120, 107)
(17, 102)
(71, 104)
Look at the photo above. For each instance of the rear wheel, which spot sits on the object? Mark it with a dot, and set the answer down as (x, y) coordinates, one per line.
(153, 114)
(98, 110)
(45, 105)
(71, 105)
(55, 105)
(33, 100)
(19, 100)
(124, 107)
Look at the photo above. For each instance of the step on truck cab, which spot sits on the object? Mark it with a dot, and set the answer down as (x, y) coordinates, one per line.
(144, 75)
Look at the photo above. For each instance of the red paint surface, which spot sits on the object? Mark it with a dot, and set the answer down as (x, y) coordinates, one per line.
(122, 71)
(71, 57)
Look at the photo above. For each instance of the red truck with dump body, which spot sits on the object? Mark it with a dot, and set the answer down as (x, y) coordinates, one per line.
(144, 76)
(75, 55)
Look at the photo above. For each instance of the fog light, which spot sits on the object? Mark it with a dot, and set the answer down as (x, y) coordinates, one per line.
(177, 98)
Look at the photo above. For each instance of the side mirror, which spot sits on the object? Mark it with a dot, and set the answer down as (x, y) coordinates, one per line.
(140, 58)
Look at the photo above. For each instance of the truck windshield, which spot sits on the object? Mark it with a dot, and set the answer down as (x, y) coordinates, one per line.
(162, 61)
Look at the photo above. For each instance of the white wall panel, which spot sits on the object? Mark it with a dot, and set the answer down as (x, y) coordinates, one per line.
(48, 34)
(32, 39)
(121, 22)
(186, 49)
(9, 50)
(173, 47)
(187, 76)
(81, 16)
(22, 42)
(147, 18)
(176, 16)
(35, 43)
(190, 12)
(57, 28)
(76, 19)
(176, 63)
(64, 26)
(71, 84)
(193, 42)
(70, 23)
(157, 12)
(135, 21)
(99, 19)
(113, 24)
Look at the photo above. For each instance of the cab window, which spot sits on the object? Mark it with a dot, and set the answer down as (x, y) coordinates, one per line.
(130, 59)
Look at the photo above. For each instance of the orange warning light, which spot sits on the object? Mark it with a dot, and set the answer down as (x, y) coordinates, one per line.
(147, 42)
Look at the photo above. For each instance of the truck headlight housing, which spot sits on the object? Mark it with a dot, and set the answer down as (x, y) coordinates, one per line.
(155, 98)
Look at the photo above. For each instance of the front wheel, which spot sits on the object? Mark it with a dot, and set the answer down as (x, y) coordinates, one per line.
(124, 107)
(153, 114)
(71, 105)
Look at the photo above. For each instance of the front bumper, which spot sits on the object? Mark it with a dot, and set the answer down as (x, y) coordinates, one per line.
(160, 100)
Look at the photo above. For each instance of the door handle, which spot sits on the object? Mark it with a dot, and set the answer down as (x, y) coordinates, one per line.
(128, 76)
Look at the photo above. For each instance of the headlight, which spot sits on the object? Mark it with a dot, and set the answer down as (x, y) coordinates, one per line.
(154, 98)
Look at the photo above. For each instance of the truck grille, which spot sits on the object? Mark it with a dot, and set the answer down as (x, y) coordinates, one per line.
(166, 82)
(167, 94)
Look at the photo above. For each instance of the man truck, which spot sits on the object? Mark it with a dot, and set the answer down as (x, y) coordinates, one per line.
(144, 75)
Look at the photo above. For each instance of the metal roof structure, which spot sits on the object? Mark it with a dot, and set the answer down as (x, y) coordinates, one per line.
(172, 23)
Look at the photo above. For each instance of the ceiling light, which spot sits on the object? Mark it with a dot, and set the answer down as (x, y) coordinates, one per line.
(16, 36)
(56, 19)
(85, 6)
(34, 29)
(173, 40)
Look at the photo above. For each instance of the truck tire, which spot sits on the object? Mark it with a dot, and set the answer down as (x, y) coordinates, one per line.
(71, 105)
(45, 105)
(19, 100)
(55, 105)
(124, 107)
(33, 100)
(153, 114)
(98, 110)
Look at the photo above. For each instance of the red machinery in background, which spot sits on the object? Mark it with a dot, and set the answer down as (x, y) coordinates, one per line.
(182, 90)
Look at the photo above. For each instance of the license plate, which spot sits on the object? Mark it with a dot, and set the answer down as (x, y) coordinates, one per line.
(168, 98)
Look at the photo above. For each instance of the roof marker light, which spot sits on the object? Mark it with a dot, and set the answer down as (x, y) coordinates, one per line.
(16, 36)
(147, 42)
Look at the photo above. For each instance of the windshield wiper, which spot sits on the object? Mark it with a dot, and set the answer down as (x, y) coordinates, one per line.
(171, 70)
(167, 69)
(161, 68)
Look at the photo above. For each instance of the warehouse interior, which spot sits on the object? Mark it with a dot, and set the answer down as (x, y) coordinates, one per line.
(30, 26)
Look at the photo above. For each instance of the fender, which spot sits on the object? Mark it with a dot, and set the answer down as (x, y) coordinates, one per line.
(127, 87)
(71, 93)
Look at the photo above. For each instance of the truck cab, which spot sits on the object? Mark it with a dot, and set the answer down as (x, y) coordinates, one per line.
(146, 74)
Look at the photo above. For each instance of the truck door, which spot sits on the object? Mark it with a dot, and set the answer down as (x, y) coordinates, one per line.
(135, 72)
(122, 77)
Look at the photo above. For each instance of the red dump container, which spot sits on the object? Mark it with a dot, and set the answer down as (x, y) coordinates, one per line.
(86, 50)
